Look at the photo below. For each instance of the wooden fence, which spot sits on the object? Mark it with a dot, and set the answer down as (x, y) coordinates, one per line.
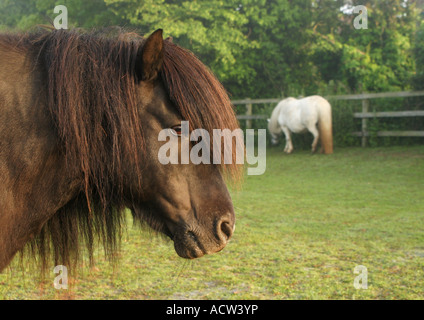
(364, 115)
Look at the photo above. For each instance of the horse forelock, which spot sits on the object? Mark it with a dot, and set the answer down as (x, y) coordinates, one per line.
(199, 96)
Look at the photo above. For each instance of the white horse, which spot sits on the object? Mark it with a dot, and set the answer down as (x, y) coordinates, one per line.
(300, 115)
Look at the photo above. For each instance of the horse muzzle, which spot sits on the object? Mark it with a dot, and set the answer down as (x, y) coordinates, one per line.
(192, 242)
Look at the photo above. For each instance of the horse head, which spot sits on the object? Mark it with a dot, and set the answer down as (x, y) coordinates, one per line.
(189, 203)
(271, 129)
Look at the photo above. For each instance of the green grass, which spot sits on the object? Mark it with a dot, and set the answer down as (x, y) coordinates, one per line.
(302, 227)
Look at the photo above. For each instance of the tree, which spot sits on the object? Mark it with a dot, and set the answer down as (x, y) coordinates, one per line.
(265, 48)
(375, 59)
(280, 60)
(25, 14)
(418, 79)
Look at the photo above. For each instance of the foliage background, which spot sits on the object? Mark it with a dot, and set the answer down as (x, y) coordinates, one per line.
(276, 48)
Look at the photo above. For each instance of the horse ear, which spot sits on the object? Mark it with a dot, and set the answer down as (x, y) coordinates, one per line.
(150, 57)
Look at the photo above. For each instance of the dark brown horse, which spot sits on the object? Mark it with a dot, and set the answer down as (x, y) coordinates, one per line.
(80, 115)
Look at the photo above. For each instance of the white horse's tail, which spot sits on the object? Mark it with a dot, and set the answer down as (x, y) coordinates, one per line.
(325, 127)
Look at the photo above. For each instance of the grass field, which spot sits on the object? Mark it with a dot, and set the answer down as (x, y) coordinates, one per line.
(302, 228)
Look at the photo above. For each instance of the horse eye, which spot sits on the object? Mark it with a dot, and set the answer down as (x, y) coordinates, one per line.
(176, 130)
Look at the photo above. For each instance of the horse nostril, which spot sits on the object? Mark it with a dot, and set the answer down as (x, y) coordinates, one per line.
(225, 229)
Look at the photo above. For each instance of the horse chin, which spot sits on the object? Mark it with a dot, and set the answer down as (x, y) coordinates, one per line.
(187, 246)
(190, 245)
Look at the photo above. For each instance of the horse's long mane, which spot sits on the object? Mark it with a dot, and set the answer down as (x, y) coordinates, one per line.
(91, 83)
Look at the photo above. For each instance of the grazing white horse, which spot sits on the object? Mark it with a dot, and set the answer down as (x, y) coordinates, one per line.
(301, 115)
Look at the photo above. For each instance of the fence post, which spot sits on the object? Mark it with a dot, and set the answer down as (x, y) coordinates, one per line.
(365, 105)
(248, 113)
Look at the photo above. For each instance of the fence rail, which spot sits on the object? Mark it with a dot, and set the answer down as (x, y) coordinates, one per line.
(364, 115)
(390, 114)
(391, 134)
(361, 96)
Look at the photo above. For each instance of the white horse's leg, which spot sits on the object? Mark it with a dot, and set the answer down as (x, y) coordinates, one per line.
(289, 145)
(313, 129)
